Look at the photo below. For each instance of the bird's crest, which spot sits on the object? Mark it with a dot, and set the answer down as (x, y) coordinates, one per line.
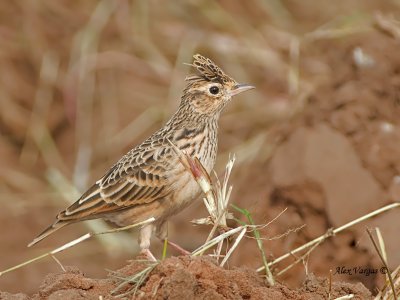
(208, 70)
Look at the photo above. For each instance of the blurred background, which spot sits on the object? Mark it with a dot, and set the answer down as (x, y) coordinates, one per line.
(81, 82)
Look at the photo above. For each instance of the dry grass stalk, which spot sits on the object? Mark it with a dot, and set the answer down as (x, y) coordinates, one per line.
(299, 259)
(331, 232)
(340, 27)
(233, 247)
(382, 256)
(387, 24)
(68, 192)
(385, 293)
(74, 243)
(216, 198)
(216, 202)
(345, 297)
(218, 239)
(136, 280)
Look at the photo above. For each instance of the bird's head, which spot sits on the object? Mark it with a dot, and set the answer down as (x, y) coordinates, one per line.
(211, 89)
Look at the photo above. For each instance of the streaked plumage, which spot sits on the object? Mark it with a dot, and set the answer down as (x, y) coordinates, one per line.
(149, 181)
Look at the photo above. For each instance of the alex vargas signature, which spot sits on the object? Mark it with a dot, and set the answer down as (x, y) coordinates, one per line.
(342, 270)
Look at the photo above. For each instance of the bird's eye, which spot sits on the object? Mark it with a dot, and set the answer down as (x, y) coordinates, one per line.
(214, 90)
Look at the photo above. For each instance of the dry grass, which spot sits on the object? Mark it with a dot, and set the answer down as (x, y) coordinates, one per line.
(80, 83)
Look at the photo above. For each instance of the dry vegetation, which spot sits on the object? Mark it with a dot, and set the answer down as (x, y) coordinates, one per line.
(81, 82)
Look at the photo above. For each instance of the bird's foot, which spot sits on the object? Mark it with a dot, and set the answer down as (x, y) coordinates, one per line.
(148, 254)
(178, 248)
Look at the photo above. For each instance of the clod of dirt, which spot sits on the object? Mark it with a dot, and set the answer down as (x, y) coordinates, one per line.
(71, 284)
(201, 278)
(325, 156)
(319, 287)
(9, 296)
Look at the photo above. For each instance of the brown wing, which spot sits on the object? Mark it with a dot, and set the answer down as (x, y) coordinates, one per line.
(140, 177)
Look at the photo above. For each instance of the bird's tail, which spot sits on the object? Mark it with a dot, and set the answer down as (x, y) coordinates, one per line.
(54, 227)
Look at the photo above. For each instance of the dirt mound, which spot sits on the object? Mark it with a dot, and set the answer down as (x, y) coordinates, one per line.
(186, 278)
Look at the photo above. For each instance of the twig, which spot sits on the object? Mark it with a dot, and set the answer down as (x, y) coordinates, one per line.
(388, 24)
(382, 248)
(332, 232)
(235, 244)
(279, 236)
(58, 262)
(73, 243)
(68, 192)
(273, 220)
(382, 293)
(345, 297)
(212, 232)
(384, 263)
(216, 240)
(381, 243)
(136, 279)
(298, 259)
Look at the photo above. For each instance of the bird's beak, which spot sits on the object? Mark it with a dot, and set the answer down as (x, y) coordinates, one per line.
(239, 88)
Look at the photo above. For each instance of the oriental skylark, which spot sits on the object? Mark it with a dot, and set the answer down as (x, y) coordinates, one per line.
(149, 181)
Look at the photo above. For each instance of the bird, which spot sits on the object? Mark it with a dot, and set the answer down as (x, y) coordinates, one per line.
(149, 180)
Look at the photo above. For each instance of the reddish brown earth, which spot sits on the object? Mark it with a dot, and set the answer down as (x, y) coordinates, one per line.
(329, 154)
(185, 278)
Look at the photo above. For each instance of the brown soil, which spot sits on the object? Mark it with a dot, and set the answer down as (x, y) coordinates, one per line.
(336, 161)
(185, 278)
(328, 154)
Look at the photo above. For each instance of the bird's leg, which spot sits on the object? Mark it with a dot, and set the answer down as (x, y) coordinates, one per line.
(148, 254)
(177, 247)
(162, 233)
(144, 241)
